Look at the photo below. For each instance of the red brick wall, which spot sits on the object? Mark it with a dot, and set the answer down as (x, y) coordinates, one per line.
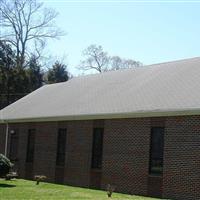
(182, 158)
(45, 150)
(23, 137)
(125, 154)
(78, 153)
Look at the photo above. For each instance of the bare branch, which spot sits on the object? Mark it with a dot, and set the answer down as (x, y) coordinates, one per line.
(98, 60)
(26, 22)
(10, 42)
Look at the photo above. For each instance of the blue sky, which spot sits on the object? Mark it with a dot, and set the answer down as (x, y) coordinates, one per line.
(145, 31)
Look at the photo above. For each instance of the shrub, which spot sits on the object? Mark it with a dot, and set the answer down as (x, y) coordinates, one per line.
(39, 178)
(5, 165)
(11, 175)
(110, 190)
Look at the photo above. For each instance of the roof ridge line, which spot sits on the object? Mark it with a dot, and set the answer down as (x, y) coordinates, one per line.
(179, 60)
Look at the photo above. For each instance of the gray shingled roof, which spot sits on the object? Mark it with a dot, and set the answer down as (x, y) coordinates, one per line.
(164, 89)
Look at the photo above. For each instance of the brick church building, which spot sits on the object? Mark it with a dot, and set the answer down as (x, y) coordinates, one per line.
(138, 129)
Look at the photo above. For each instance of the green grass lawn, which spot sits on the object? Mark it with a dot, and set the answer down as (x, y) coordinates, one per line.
(28, 190)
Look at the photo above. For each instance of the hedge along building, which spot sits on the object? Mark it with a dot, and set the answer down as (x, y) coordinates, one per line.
(138, 129)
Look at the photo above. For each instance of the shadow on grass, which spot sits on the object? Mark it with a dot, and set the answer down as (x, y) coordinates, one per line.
(2, 185)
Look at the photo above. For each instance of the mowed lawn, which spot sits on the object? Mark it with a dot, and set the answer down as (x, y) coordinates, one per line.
(28, 190)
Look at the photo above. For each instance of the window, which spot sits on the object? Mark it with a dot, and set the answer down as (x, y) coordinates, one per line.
(156, 151)
(97, 148)
(13, 145)
(30, 145)
(61, 143)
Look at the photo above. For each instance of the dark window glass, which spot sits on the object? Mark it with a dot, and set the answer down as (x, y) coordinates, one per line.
(156, 150)
(13, 145)
(30, 145)
(61, 143)
(97, 148)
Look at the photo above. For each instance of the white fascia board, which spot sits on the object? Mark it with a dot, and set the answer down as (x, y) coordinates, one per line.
(106, 116)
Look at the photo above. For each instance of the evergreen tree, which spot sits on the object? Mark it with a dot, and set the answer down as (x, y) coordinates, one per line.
(13, 80)
(7, 66)
(58, 73)
(35, 74)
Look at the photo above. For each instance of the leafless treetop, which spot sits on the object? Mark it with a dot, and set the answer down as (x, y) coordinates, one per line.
(25, 23)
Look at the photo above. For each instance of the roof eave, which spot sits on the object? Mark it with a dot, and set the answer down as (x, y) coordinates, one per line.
(141, 114)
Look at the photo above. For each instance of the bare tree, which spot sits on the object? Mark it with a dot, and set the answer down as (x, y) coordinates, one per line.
(95, 59)
(26, 25)
(117, 63)
(99, 60)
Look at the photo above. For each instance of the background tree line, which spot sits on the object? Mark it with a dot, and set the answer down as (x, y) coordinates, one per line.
(26, 27)
(16, 82)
